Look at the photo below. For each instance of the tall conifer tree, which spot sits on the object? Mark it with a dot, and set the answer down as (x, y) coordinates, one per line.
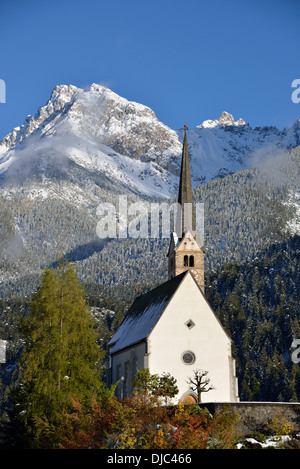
(61, 359)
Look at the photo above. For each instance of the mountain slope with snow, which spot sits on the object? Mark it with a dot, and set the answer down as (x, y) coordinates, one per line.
(87, 147)
(224, 146)
(123, 142)
(71, 158)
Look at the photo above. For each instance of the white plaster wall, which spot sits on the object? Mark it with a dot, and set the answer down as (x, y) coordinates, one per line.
(207, 340)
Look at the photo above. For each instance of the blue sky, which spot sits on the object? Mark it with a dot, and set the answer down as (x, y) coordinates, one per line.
(185, 59)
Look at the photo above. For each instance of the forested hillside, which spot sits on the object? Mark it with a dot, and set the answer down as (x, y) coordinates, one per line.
(251, 267)
(258, 304)
(243, 214)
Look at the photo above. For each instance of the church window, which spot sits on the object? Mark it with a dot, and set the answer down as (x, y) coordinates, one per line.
(188, 358)
(126, 379)
(189, 324)
(133, 364)
(119, 378)
(186, 261)
(118, 372)
(191, 261)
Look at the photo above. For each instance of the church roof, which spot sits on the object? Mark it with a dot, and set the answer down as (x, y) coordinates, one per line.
(144, 314)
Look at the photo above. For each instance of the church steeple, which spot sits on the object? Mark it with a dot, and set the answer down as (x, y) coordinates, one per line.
(185, 251)
(186, 218)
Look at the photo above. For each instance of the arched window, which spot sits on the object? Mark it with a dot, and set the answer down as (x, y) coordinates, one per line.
(191, 261)
(186, 261)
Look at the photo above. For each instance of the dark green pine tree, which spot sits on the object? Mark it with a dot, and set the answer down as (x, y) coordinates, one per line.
(61, 361)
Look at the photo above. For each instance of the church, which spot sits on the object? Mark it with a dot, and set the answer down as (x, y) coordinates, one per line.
(172, 328)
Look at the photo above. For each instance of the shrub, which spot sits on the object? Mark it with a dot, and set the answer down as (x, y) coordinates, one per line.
(145, 424)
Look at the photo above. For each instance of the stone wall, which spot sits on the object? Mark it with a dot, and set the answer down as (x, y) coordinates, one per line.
(256, 416)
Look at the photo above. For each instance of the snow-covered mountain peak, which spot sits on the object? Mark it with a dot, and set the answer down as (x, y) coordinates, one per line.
(228, 119)
(61, 96)
(113, 137)
(101, 116)
(225, 119)
(96, 91)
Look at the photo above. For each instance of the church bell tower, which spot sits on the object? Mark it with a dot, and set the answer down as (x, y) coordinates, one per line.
(185, 250)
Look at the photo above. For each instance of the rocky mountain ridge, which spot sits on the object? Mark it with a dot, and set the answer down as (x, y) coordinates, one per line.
(103, 132)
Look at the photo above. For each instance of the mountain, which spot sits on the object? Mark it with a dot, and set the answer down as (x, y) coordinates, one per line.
(83, 132)
(86, 147)
(224, 146)
(96, 131)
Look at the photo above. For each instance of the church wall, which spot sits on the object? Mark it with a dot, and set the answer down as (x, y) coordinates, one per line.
(171, 337)
(124, 366)
(257, 416)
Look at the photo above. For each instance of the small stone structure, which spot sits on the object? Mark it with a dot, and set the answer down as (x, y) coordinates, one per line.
(256, 416)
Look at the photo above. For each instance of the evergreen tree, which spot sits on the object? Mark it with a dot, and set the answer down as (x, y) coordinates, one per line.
(61, 358)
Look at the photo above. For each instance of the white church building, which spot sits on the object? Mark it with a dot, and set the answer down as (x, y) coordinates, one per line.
(172, 328)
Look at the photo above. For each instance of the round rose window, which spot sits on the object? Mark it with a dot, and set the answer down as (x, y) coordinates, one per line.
(188, 358)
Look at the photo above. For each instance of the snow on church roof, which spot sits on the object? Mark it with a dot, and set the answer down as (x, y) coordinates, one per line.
(144, 314)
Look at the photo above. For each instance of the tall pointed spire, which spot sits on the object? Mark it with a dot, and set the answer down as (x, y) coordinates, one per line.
(185, 252)
(185, 222)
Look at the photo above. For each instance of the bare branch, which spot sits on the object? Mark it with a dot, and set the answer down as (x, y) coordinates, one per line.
(199, 383)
